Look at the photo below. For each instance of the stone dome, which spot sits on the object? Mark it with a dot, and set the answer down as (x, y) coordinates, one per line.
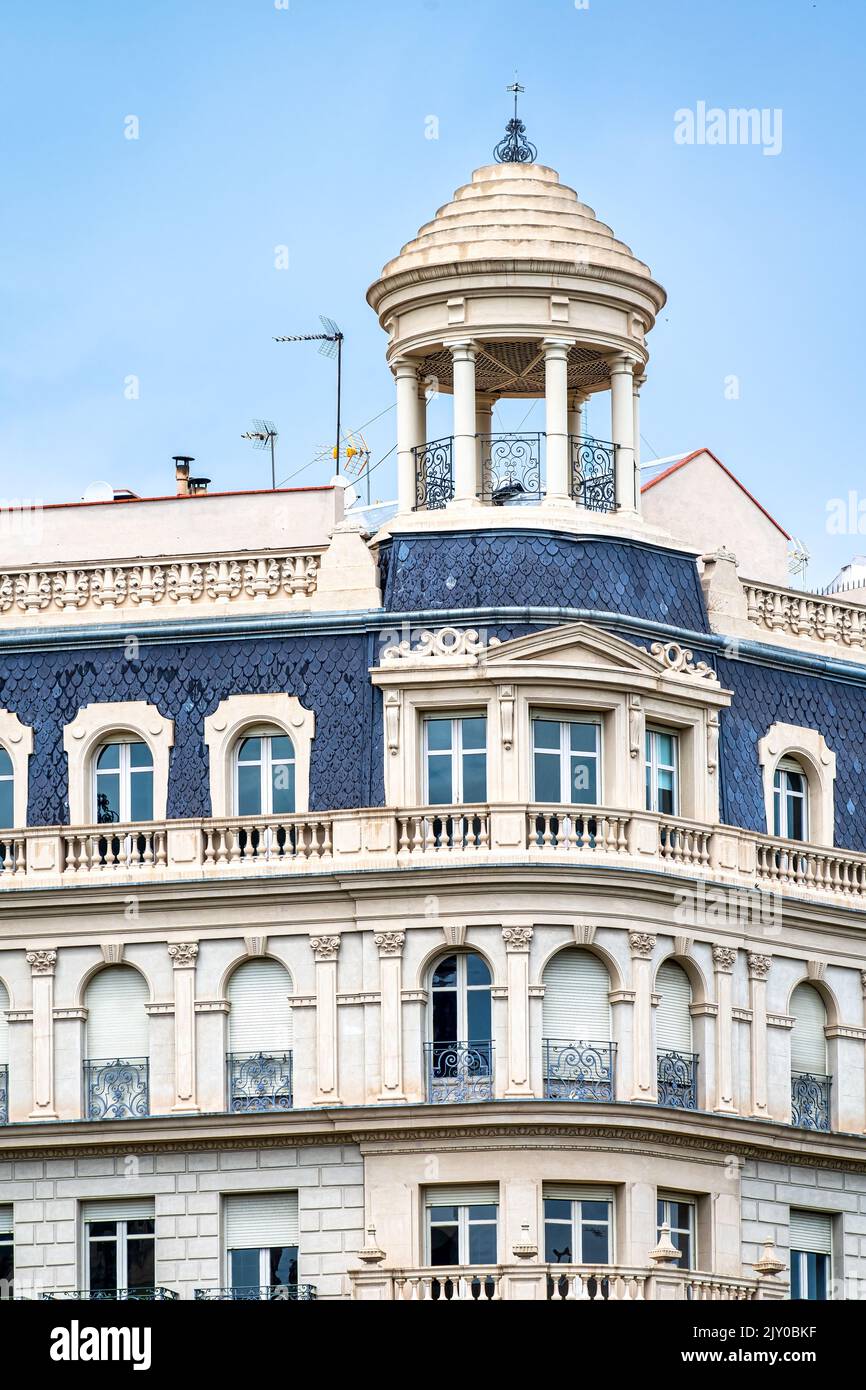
(517, 213)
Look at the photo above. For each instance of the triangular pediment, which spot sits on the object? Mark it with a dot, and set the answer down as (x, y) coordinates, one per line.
(579, 645)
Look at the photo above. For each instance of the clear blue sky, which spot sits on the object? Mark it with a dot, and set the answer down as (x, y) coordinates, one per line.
(259, 127)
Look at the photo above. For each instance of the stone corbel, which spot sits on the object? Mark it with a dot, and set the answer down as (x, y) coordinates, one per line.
(392, 721)
(635, 723)
(506, 715)
(712, 742)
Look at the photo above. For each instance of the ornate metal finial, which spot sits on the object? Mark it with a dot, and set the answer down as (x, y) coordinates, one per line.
(515, 148)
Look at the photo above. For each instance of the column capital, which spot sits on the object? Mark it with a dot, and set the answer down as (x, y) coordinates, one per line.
(325, 947)
(724, 959)
(759, 966)
(623, 362)
(405, 367)
(517, 938)
(183, 954)
(390, 943)
(642, 944)
(42, 962)
(462, 349)
(553, 346)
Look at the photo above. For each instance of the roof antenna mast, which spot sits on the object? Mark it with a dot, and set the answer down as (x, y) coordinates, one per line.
(331, 345)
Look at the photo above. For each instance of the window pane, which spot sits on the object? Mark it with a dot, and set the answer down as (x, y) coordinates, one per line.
(595, 1211)
(139, 755)
(583, 780)
(250, 751)
(144, 1227)
(666, 797)
(796, 819)
(445, 1016)
(547, 777)
(681, 1215)
(284, 1265)
(777, 808)
(439, 781)
(546, 733)
(796, 1265)
(796, 782)
(139, 1259)
(245, 1268)
(477, 972)
(249, 791)
(109, 757)
(485, 1211)
(141, 795)
(822, 1264)
(444, 1245)
(7, 1270)
(555, 1209)
(5, 764)
(7, 812)
(557, 1241)
(102, 1257)
(664, 749)
(475, 777)
(107, 797)
(475, 732)
(439, 733)
(478, 1015)
(283, 788)
(281, 748)
(482, 1244)
(584, 738)
(445, 974)
(595, 1244)
(443, 1214)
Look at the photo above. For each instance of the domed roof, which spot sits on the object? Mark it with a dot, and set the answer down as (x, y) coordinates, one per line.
(519, 212)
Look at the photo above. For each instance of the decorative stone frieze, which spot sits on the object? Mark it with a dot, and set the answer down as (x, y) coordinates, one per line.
(676, 658)
(442, 645)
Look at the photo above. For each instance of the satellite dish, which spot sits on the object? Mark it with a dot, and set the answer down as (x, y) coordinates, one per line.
(98, 492)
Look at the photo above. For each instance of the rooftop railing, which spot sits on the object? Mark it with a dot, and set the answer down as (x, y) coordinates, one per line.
(512, 471)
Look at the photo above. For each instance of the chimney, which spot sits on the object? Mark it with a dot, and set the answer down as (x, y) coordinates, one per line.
(181, 473)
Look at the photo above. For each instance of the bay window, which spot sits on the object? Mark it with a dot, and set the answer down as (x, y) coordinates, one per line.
(566, 760)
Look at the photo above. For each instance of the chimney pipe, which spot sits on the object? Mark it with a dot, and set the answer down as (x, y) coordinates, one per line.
(181, 473)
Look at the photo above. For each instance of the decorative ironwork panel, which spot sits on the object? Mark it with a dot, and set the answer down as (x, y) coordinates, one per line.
(4, 1095)
(459, 1071)
(579, 1070)
(259, 1081)
(116, 1090)
(592, 473)
(145, 1295)
(678, 1080)
(272, 1293)
(434, 475)
(810, 1100)
(510, 468)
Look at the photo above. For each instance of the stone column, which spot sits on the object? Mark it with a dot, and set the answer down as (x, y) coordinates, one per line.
(409, 431)
(517, 942)
(326, 949)
(556, 419)
(463, 367)
(638, 383)
(390, 947)
(483, 431)
(759, 969)
(622, 429)
(183, 958)
(724, 959)
(576, 420)
(42, 964)
(644, 1081)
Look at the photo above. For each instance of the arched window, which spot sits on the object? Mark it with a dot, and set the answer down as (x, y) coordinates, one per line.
(790, 801)
(810, 1084)
(264, 773)
(116, 1081)
(7, 790)
(260, 1037)
(123, 782)
(578, 1052)
(460, 1050)
(4, 1057)
(676, 1060)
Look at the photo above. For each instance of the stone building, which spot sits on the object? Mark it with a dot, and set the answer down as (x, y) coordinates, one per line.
(472, 909)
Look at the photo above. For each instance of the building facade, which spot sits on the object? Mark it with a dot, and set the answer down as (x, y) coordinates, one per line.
(471, 909)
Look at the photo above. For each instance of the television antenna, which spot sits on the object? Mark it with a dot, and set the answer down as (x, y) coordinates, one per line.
(265, 433)
(330, 345)
(798, 559)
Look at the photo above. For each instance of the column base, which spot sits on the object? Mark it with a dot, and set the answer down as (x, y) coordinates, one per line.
(462, 504)
(559, 499)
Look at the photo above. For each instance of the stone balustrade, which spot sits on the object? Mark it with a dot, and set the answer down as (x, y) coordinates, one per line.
(557, 1283)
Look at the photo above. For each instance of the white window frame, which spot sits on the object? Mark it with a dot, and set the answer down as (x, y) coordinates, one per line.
(668, 1198)
(804, 1281)
(463, 989)
(17, 740)
(96, 725)
(782, 792)
(577, 1224)
(264, 1254)
(455, 753)
(125, 772)
(808, 749)
(225, 729)
(121, 1238)
(463, 1226)
(566, 756)
(653, 766)
(265, 733)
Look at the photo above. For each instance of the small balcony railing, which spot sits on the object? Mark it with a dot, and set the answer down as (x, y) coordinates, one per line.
(510, 468)
(153, 1294)
(116, 1089)
(259, 1081)
(593, 473)
(678, 1080)
(434, 474)
(810, 1100)
(459, 1071)
(513, 470)
(258, 1293)
(4, 1095)
(579, 1070)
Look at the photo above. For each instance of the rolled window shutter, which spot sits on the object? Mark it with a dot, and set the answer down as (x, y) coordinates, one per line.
(576, 1004)
(260, 1015)
(577, 1192)
(4, 1027)
(811, 1230)
(261, 1221)
(5, 1221)
(119, 1209)
(117, 1025)
(463, 1195)
(808, 1043)
(673, 1019)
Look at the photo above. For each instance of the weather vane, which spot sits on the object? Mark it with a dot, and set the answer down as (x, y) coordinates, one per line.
(515, 148)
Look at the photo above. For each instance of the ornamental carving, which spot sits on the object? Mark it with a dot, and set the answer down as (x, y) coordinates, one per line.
(390, 943)
(635, 725)
(759, 966)
(42, 962)
(677, 658)
(325, 947)
(724, 958)
(183, 953)
(444, 643)
(517, 938)
(642, 943)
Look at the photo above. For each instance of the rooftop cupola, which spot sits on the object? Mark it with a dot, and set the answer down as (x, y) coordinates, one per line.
(516, 289)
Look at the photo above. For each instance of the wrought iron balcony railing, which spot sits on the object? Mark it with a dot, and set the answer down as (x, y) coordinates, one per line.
(116, 1089)
(579, 1070)
(678, 1080)
(510, 468)
(154, 1294)
(254, 1293)
(593, 473)
(810, 1100)
(459, 1071)
(259, 1081)
(434, 475)
(4, 1095)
